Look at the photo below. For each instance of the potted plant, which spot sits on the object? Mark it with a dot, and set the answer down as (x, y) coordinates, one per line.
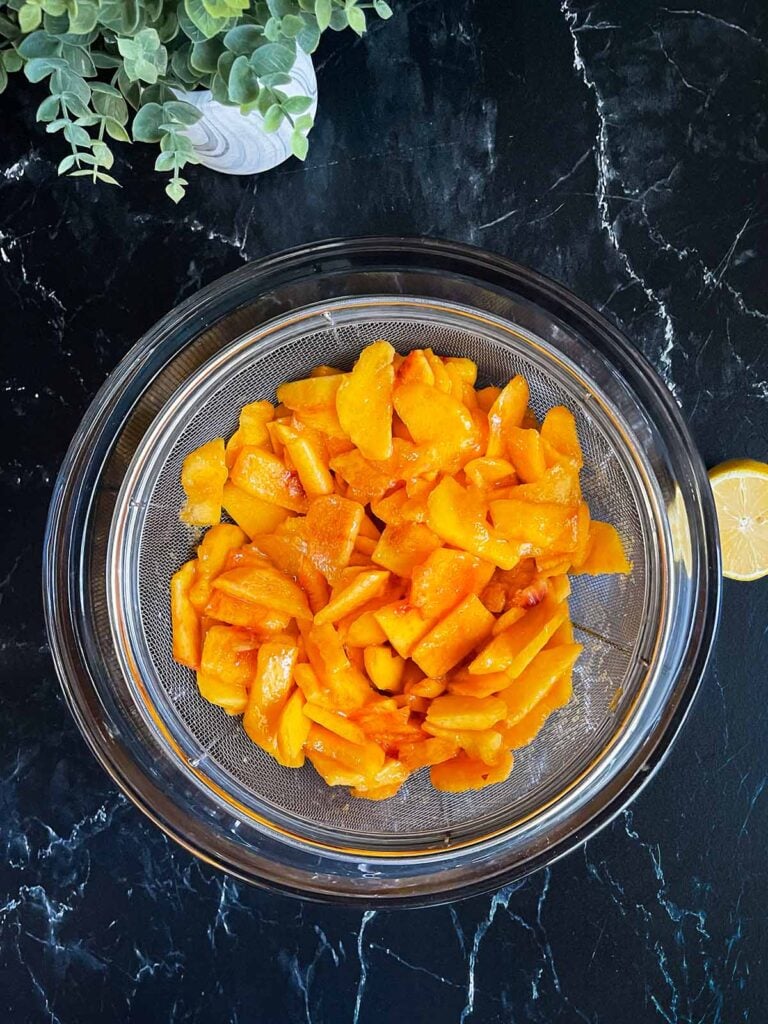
(173, 73)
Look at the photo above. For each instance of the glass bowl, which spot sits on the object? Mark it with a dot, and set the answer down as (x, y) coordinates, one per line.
(114, 538)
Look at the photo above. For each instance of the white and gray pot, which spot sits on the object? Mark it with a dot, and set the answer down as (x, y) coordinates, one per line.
(226, 141)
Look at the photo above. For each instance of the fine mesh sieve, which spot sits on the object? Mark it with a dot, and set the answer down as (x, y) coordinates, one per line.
(619, 620)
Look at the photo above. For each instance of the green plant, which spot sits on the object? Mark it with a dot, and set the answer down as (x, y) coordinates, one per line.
(112, 68)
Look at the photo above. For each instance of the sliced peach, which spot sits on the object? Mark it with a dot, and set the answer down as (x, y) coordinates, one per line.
(384, 668)
(454, 637)
(422, 753)
(506, 412)
(309, 457)
(203, 475)
(459, 517)
(335, 722)
(288, 551)
(364, 631)
(366, 481)
(265, 587)
(262, 620)
(463, 772)
(489, 473)
(403, 625)
(605, 552)
(227, 666)
(402, 548)
(486, 397)
(252, 514)
(426, 687)
(455, 712)
(366, 758)
(212, 555)
(332, 771)
(484, 745)
(384, 784)
(437, 419)
(445, 578)
(292, 732)
(364, 587)
(465, 685)
(251, 430)
(525, 452)
(185, 621)
(364, 401)
(544, 525)
(514, 649)
(535, 681)
(313, 401)
(330, 529)
(558, 429)
(264, 475)
(415, 369)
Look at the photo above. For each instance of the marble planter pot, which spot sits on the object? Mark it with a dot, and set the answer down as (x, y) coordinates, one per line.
(226, 141)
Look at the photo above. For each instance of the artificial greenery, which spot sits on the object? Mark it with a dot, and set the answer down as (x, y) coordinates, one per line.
(114, 68)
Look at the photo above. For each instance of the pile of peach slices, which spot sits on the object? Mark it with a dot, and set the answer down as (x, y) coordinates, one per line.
(392, 591)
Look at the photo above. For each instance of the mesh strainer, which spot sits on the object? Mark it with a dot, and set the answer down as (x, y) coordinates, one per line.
(199, 774)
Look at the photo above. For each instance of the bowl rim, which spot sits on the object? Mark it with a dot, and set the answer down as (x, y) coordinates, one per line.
(619, 790)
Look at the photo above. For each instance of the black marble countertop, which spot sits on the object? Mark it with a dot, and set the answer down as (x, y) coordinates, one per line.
(622, 149)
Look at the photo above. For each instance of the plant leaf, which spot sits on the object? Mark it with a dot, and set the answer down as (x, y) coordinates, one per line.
(272, 30)
(175, 190)
(110, 105)
(66, 163)
(79, 60)
(182, 68)
(146, 123)
(66, 81)
(48, 109)
(203, 21)
(273, 118)
(11, 60)
(183, 113)
(30, 17)
(39, 44)
(121, 16)
(40, 67)
(356, 18)
(144, 56)
(243, 39)
(116, 131)
(85, 18)
(274, 80)
(103, 153)
(299, 145)
(323, 14)
(383, 9)
(165, 162)
(8, 28)
(219, 89)
(291, 25)
(205, 55)
(106, 60)
(273, 58)
(75, 135)
(296, 104)
(243, 82)
(338, 19)
(309, 37)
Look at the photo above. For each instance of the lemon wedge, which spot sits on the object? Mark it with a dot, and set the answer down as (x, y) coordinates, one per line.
(740, 489)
